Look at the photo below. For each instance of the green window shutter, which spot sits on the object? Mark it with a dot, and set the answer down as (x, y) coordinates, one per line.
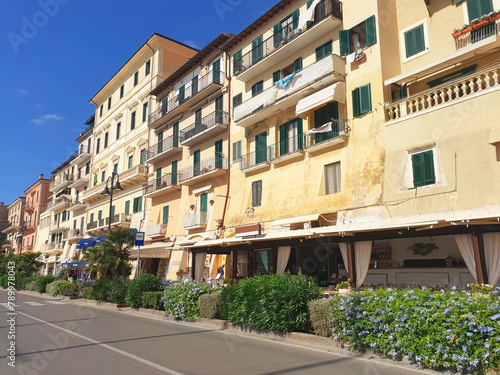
(237, 100)
(283, 142)
(429, 176)
(140, 203)
(134, 207)
(216, 71)
(276, 76)
(92, 217)
(175, 139)
(419, 38)
(417, 161)
(297, 64)
(277, 34)
(235, 150)
(174, 173)
(196, 162)
(309, 2)
(158, 172)
(165, 215)
(197, 116)
(99, 215)
(371, 31)
(127, 207)
(300, 134)
(142, 159)
(403, 91)
(295, 19)
(478, 8)
(355, 102)
(194, 85)
(415, 41)
(409, 43)
(365, 99)
(237, 62)
(113, 210)
(204, 202)
(257, 49)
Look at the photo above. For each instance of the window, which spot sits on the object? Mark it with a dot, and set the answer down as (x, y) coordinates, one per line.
(256, 193)
(359, 37)
(197, 117)
(112, 210)
(147, 68)
(291, 137)
(237, 99)
(174, 172)
(414, 41)
(182, 92)
(478, 8)
(88, 145)
(98, 146)
(115, 169)
(285, 29)
(165, 215)
(144, 111)
(132, 121)
(238, 62)
(142, 158)
(160, 142)
(194, 85)
(423, 168)
(92, 217)
(118, 126)
(127, 207)
(257, 49)
(100, 111)
(236, 151)
(324, 50)
(106, 139)
(323, 116)
(109, 102)
(122, 91)
(257, 88)
(261, 148)
(137, 205)
(196, 162)
(290, 69)
(103, 176)
(361, 100)
(332, 178)
(136, 78)
(87, 168)
(130, 161)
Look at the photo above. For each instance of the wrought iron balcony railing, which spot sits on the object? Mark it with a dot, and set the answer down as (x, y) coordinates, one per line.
(205, 166)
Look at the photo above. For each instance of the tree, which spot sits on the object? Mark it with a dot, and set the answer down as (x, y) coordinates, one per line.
(111, 257)
(27, 264)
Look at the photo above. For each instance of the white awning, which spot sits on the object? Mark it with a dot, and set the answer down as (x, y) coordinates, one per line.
(335, 92)
(153, 250)
(296, 219)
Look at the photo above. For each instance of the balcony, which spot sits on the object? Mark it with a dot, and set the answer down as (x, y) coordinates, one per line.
(318, 142)
(461, 89)
(210, 126)
(59, 204)
(195, 220)
(81, 179)
(101, 225)
(486, 28)
(83, 155)
(327, 17)
(74, 235)
(7, 245)
(10, 228)
(167, 147)
(162, 185)
(56, 227)
(206, 169)
(137, 175)
(78, 203)
(158, 230)
(122, 220)
(52, 247)
(27, 249)
(257, 160)
(94, 194)
(288, 150)
(29, 207)
(60, 183)
(316, 76)
(206, 85)
(30, 225)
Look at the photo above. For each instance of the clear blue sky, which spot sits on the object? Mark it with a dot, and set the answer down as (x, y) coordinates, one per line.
(56, 54)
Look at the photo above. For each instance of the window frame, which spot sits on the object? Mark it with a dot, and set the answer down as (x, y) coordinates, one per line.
(132, 120)
(237, 151)
(257, 193)
(402, 40)
(360, 107)
(427, 157)
(136, 78)
(346, 36)
(256, 86)
(337, 178)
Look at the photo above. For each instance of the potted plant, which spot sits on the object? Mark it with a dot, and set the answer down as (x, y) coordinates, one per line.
(456, 33)
(493, 16)
(467, 29)
(480, 23)
(344, 287)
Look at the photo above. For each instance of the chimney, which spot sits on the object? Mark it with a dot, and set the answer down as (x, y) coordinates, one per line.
(41, 176)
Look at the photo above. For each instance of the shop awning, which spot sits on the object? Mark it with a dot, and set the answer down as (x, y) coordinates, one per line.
(85, 242)
(296, 219)
(75, 264)
(154, 250)
(335, 92)
(100, 239)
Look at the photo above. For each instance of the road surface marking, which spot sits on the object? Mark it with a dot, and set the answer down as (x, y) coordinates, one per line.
(57, 302)
(33, 303)
(118, 351)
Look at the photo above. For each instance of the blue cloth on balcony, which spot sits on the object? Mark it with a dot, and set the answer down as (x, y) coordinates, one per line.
(285, 82)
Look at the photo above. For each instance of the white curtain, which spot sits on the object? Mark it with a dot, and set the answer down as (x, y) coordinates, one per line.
(343, 251)
(362, 254)
(199, 265)
(492, 256)
(283, 256)
(466, 246)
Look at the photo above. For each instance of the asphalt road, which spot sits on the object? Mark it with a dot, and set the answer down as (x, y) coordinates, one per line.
(62, 337)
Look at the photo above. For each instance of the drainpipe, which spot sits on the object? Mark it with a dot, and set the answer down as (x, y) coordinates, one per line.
(221, 223)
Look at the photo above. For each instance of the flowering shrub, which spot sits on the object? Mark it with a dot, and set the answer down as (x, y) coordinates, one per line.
(182, 299)
(456, 330)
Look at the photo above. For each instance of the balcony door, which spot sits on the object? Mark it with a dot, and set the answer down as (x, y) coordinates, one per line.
(160, 142)
(216, 71)
(203, 208)
(219, 110)
(158, 178)
(218, 154)
(260, 148)
(323, 116)
(173, 177)
(175, 129)
(196, 163)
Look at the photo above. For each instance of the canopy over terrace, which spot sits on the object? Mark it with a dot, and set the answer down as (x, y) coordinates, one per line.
(475, 231)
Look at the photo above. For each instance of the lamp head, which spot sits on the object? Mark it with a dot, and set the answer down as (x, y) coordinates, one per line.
(117, 186)
(106, 191)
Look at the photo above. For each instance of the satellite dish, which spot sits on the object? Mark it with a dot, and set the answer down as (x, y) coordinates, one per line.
(172, 238)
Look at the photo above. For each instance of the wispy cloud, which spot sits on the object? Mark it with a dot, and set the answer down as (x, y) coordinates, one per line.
(43, 119)
(22, 92)
(191, 43)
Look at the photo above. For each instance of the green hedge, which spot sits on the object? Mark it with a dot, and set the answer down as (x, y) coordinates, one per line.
(456, 330)
(320, 313)
(209, 306)
(97, 290)
(4, 281)
(153, 300)
(272, 302)
(144, 283)
(182, 299)
(21, 282)
(42, 282)
(117, 290)
(63, 288)
(31, 286)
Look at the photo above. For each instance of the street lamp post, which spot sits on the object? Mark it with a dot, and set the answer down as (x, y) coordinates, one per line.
(109, 191)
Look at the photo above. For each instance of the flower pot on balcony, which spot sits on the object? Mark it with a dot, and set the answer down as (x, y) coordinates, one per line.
(480, 24)
(494, 17)
(457, 33)
(467, 29)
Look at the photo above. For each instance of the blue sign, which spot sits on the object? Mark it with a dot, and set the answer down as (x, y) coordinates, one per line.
(139, 239)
